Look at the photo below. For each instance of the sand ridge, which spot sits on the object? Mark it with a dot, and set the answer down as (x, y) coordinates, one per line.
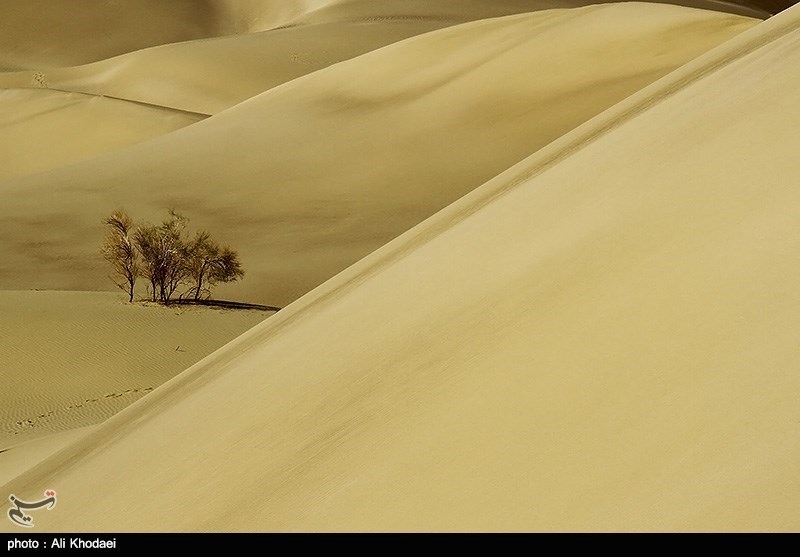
(45, 129)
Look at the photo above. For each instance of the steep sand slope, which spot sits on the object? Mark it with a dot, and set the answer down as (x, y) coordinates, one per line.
(71, 359)
(603, 337)
(41, 130)
(314, 174)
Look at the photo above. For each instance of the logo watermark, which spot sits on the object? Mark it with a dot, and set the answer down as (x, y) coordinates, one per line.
(18, 515)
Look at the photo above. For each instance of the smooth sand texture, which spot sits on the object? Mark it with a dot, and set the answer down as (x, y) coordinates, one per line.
(197, 77)
(18, 458)
(211, 75)
(373, 10)
(773, 6)
(208, 76)
(41, 130)
(40, 34)
(602, 338)
(71, 359)
(312, 175)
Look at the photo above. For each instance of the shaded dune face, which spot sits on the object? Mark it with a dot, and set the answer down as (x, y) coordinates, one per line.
(773, 6)
(312, 175)
(766, 6)
(43, 34)
(40, 34)
(602, 337)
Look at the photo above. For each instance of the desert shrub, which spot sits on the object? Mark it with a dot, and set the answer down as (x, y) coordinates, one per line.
(168, 258)
(209, 264)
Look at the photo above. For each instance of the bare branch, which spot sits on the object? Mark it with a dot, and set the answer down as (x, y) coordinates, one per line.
(119, 251)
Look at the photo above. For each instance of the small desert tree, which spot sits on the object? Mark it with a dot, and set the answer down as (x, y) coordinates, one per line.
(119, 250)
(146, 242)
(227, 267)
(209, 264)
(164, 255)
(174, 250)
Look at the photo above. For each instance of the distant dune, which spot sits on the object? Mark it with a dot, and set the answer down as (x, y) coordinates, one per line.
(207, 76)
(771, 6)
(197, 77)
(463, 10)
(314, 174)
(42, 34)
(41, 129)
(203, 76)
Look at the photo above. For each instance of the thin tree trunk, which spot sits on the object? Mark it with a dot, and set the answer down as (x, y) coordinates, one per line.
(199, 286)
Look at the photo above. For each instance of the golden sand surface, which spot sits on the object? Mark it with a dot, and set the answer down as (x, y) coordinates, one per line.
(540, 271)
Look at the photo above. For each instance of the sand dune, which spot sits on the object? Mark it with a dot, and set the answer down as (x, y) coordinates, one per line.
(601, 338)
(40, 34)
(208, 76)
(203, 76)
(71, 359)
(312, 175)
(464, 10)
(773, 6)
(41, 129)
